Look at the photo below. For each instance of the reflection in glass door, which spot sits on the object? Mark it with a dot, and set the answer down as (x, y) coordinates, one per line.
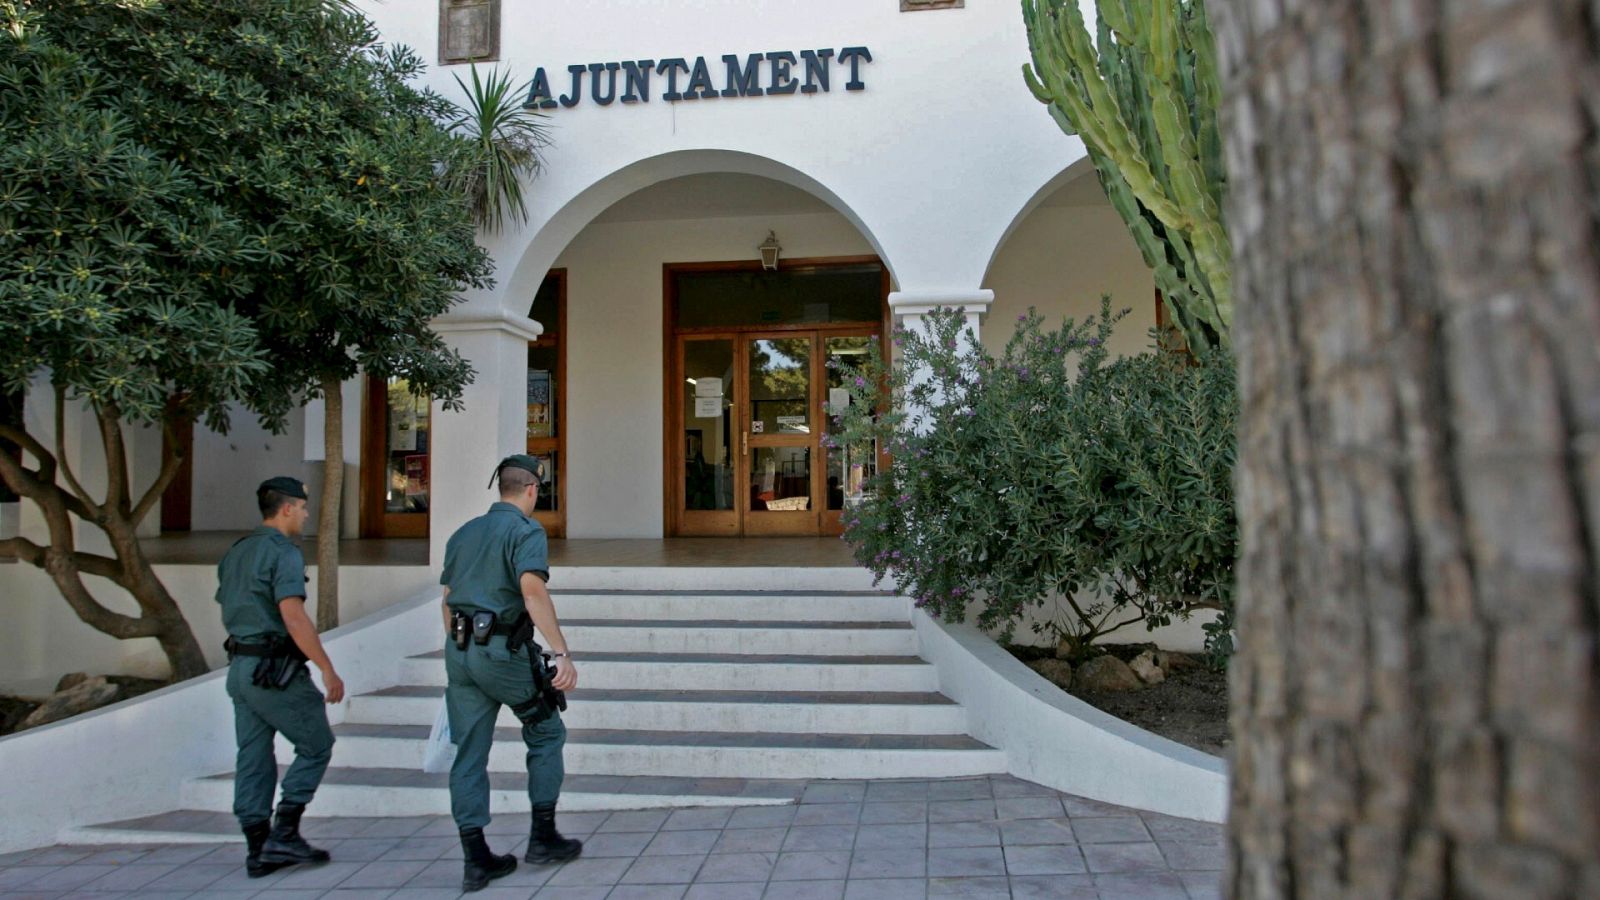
(708, 467)
(848, 468)
(754, 409)
(778, 423)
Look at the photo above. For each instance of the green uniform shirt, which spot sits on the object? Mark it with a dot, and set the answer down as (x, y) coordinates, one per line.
(485, 558)
(256, 573)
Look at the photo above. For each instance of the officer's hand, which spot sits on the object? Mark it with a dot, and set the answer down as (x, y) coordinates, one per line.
(566, 674)
(334, 685)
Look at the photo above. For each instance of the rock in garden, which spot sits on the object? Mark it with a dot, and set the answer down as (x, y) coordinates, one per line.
(1147, 668)
(1105, 674)
(92, 693)
(71, 680)
(1056, 671)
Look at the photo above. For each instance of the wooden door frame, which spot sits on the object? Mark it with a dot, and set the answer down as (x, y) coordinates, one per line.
(376, 522)
(671, 421)
(555, 522)
(177, 501)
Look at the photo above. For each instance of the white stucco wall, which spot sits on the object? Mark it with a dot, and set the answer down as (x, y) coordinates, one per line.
(227, 468)
(1061, 259)
(44, 640)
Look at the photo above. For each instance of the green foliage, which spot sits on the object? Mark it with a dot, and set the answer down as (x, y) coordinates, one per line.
(503, 140)
(206, 203)
(119, 271)
(285, 180)
(1051, 471)
(1143, 96)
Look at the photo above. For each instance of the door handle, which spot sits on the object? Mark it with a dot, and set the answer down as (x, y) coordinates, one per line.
(744, 443)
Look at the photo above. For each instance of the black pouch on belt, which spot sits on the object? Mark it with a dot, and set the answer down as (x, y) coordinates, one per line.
(482, 627)
(460, 629)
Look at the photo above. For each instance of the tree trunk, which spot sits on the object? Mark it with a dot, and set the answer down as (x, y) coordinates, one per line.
(118, 517)
(1412, 197)
(328, 511)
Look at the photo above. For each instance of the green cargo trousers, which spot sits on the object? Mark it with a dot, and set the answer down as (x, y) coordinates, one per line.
(480, 680)
(259, 714)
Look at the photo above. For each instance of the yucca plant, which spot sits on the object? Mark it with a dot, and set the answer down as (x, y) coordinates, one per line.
(503, 141)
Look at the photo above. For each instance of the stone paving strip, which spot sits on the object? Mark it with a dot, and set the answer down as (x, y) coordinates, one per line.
(987, 837)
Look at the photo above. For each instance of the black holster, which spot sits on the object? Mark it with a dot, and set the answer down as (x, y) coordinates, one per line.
(278, 661)
(546, 699)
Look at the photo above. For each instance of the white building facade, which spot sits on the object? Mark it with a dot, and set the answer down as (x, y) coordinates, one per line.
(633, 337)
(865, 137)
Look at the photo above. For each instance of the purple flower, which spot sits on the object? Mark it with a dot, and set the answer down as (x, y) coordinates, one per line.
(860, 382)
(1094, 342)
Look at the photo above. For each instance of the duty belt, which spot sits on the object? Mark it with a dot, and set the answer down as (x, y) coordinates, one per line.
(272, 650)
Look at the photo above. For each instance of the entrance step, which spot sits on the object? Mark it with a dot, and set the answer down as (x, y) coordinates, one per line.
(361, 791)
(793, 606)
(732, 636)
(687, 697)
(701, 754)
(801, 712)
(724, 671)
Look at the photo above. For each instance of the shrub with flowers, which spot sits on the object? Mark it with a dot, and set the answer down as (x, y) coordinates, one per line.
(1051, 471)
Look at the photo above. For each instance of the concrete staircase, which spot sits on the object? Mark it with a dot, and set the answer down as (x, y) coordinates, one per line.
(685, 699)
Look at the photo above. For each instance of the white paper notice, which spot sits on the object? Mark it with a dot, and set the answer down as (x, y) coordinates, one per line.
(707, 407)
(838, 399)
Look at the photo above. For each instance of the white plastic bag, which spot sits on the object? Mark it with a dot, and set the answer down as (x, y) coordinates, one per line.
(440, 752)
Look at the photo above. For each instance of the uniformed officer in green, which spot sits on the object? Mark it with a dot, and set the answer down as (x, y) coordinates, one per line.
(261, 584)
(498, 563)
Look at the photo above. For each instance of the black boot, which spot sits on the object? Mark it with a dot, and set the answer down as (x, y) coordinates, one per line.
(480, 866)
(254, 837)
(284, 845)
(545, 843)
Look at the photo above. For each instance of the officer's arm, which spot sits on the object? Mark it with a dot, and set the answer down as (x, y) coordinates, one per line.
(293, 610)
(444, 606)
(543, 611)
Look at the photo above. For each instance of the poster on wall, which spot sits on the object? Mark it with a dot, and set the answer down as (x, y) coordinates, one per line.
(416, 475)
(539, 405)
(707, 407)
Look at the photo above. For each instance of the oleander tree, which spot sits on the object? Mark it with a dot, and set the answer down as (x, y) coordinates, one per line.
(207, 206)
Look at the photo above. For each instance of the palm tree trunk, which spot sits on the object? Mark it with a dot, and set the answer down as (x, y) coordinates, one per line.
(1412, 197)
(328, 508)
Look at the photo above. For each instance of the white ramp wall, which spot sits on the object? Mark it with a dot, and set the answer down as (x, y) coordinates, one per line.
(129, 759)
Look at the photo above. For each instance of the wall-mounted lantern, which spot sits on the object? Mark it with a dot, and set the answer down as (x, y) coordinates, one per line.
(770, 248)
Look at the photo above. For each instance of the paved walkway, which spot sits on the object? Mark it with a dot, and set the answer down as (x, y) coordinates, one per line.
(990, 837)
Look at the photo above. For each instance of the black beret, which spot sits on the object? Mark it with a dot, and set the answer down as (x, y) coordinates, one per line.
(521, 461)
(283, 484)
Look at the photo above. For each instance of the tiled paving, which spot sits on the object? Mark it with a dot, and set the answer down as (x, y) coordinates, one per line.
(991, 837)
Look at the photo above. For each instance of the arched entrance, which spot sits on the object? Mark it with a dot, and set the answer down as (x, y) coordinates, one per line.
(697, 391)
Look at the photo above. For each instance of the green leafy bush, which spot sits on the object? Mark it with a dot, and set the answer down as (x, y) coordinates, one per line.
(1051, 471)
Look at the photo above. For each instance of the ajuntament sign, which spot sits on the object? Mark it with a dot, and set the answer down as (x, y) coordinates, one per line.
(752, 75)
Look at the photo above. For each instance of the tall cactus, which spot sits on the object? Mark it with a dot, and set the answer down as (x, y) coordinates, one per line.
(1143, 97)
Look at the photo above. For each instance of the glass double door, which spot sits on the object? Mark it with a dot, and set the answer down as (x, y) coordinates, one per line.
(754, 409)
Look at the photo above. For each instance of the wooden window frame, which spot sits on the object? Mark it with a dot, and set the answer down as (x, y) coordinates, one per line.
(555, 521)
